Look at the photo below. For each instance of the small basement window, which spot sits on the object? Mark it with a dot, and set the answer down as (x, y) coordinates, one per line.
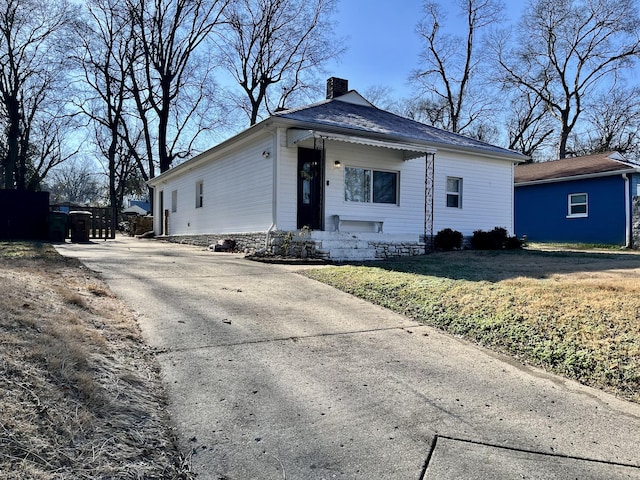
(454, 192)
(199, 194)
(578, 205)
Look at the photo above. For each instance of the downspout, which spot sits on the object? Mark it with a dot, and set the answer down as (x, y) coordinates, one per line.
(274, 199)
(627, 211)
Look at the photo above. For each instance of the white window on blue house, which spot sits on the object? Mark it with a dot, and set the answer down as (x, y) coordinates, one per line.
(174, 201)
(578, 205)
(370, 186)
(199, 194)
(454, 192)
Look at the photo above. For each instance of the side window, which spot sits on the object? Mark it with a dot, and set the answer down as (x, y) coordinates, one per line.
(174, 201)
(454, 192)
(578, 205)
(199, 194)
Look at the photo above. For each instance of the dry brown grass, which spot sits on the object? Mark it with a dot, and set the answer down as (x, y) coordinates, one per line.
(80, 396)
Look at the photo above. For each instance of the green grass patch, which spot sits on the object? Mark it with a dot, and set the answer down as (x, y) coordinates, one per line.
(27, 250)
(576, 314)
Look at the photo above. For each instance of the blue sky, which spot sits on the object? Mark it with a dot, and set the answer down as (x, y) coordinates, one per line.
(383, 47)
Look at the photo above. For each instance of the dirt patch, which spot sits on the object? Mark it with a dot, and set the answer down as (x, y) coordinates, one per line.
(80, 395)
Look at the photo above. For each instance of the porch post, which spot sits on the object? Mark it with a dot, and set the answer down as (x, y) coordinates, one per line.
(428, 199)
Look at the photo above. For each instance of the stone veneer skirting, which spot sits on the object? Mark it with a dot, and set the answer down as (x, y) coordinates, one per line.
(304, 245)
(245, 242)
(635, 223)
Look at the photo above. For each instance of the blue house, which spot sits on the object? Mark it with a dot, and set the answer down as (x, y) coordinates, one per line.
(586, 199)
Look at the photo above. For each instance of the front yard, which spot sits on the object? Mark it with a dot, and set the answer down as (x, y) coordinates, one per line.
(573, 313)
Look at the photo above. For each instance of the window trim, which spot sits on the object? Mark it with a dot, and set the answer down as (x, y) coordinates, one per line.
(372, 185)
(570, 204)
(199, 193)
(457, 194)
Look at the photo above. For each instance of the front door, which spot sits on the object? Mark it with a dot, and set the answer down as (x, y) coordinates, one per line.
(310, 188)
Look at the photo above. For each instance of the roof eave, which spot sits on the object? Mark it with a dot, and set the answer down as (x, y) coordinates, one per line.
(440, 146)
(577, 177)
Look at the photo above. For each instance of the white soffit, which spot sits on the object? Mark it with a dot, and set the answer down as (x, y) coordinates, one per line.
(296, 135)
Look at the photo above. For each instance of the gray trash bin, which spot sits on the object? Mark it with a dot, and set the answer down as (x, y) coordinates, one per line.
(58, 226)
(80, 225)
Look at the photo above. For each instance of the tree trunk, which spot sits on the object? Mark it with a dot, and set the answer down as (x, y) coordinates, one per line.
(13, 143)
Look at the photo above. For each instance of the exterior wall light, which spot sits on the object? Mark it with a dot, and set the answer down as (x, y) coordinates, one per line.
(337, 164)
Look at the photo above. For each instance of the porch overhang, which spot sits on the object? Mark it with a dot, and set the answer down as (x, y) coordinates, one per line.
(409, 150)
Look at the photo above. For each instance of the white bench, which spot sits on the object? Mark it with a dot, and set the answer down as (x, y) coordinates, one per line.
(376, 223)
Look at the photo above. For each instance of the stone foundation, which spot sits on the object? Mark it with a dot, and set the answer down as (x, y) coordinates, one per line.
(245, 242)
(391, 250)
(307, 244)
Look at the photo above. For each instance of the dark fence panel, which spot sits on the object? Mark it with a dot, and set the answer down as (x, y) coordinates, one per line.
(23, 215)
(102, 225)
(103, 222)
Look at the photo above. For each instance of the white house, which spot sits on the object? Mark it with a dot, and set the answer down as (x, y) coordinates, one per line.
(342, 179)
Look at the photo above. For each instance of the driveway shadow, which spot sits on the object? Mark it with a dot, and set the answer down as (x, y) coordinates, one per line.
(495, 266)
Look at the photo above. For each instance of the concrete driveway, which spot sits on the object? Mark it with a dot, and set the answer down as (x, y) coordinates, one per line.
(271, 375)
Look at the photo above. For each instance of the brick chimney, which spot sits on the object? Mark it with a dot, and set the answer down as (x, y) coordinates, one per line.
(337, 87)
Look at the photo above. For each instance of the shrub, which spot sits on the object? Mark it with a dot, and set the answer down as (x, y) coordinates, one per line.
(496, 239)
(448, 239)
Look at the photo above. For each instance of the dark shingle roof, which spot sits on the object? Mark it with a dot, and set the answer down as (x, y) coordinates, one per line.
(600, 163)
(369, 121)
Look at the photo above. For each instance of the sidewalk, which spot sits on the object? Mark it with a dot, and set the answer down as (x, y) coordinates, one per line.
(271, 375)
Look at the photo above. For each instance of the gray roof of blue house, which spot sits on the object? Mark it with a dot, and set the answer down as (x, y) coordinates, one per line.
(372, 122)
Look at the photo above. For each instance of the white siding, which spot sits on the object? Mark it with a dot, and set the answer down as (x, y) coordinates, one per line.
(287, 184)
(407, 217)
(487, 193)
(238, 190)
(238, 193)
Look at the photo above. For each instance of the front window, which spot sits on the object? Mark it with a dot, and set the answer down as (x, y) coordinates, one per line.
(370, 186)
(578, 205)
(454, 192)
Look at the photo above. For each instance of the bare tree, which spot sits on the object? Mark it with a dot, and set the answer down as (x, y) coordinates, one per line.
(32, 66)
(451, 65)
(612, 122)
(76, 181)
(568, 49)
(105, 57)
(528, 124)
(282, 43)
(171, 81)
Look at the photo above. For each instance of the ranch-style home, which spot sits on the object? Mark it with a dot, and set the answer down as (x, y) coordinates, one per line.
(588, 199)
(339, 179)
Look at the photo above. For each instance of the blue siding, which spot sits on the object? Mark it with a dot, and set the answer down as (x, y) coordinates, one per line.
(541, 211)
